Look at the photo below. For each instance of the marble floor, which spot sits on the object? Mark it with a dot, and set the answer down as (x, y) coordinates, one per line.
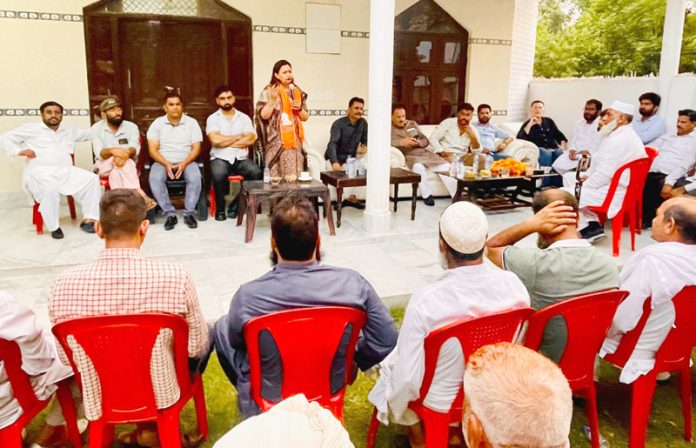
(396, 263)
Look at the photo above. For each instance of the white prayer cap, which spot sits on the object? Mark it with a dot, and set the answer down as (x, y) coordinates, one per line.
(464, 227)
(624, 108)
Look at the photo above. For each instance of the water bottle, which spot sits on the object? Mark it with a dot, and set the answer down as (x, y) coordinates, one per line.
(489, 161)
(266, 174)
(454, 168)
(351, 167)
(361, 166)
(476, 163)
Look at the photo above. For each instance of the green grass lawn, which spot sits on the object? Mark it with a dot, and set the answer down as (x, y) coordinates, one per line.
(665, 429)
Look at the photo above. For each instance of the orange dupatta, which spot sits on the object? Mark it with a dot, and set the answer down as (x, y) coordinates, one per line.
(287, 124)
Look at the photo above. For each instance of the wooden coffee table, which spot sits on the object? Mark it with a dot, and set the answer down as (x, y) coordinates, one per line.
(256, 191)
(340, 180)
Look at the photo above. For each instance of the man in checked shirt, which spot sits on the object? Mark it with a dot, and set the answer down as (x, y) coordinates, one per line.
(122, 281)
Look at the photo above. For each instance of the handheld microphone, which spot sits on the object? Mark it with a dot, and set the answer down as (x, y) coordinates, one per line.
(292, 92)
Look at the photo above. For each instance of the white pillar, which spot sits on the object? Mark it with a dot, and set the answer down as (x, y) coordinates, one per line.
(381, 68)
(672, 35)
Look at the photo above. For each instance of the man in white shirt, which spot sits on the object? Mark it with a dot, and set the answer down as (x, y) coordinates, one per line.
(677, 156)
(585, 140)
(230, 132)
(49, 170)
(658, 271)
(456, 135)
(469, 288)
(174, 141)
(116, 144)
(649, 126)
(620, 145)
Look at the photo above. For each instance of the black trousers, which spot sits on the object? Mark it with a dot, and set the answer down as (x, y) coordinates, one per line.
(651, 196)
(220, 169)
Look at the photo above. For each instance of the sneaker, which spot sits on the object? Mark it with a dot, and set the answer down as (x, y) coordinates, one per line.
(57, 234)
(190, 221)
(87, 227)
(593, 232)
(429, 201)
(170, 223)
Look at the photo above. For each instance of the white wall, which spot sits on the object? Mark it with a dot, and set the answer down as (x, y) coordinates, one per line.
(565, 98)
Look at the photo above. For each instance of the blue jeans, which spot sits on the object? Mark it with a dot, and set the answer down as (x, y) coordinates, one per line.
(548, 156)
(158, 185)
(499, 156)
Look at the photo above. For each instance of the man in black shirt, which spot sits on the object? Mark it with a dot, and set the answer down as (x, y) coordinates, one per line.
(543, 132)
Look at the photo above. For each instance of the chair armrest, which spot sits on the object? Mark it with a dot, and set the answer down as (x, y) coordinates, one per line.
(396, 158)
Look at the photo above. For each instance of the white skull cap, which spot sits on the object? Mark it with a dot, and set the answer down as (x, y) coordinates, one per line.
(464, 227)
(624, 108)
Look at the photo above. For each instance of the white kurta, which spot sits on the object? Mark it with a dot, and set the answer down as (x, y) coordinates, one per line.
(292, 423)
(585, 138)
(469, 291)
(617, 149)
(39, 356)
(51, 173)
(659, 271)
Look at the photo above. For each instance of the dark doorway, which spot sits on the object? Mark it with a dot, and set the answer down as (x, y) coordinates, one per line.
(137, 47)
(429, 62)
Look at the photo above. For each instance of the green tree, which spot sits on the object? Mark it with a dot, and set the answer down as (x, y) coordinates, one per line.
(605, 38)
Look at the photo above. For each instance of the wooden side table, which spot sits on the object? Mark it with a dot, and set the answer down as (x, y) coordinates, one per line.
(256, 191)
(340, 180)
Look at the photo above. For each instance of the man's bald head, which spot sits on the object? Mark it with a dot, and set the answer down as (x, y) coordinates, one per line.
(544, 198)
(682, 212)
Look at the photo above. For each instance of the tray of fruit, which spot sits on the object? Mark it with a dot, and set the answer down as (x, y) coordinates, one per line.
(513, 167)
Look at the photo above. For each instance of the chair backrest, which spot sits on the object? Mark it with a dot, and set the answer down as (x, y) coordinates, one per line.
(676, 349)
(307, 340)
(587, 319)
(120, 348)
(639, 172)
(11, 358)
(471, 334)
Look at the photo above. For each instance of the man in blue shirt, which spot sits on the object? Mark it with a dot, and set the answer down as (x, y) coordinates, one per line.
(489, 132)
(649, 126)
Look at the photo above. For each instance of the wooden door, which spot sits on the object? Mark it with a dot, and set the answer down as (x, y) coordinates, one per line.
(184, 54)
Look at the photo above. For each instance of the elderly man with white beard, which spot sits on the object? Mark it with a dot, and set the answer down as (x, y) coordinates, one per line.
(619, 146)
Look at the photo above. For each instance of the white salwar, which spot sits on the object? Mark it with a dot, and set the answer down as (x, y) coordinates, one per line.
(585, 138)
(658, 271)
(39, 358)
(468, 291)
(51, 173)
(292, 423)
(617, 149)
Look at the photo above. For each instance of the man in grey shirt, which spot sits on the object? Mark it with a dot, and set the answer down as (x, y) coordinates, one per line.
(174, 141)
(563, 265)
(297, 280)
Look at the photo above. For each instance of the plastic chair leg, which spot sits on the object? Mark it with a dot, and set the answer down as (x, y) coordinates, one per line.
(11, 436)
(685, 392)
(211, 198)
(372, 433)
(71, 206)
(199, 401)
(641, 403)
(97, 434)
(37, 219)
(436, 429)
(616, 226)
(168, 430)
(592, 417)
(67, 406)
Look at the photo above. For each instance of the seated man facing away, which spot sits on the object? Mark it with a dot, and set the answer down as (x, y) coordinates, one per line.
(469, 288)
(122, 281)
(39, 360)
(298, 280)
(230, 132)
(49, 170)
(292, 423)
(174, 142)
(585, 139)
(561, 266)
(348, 139)
(515, 398)
(619, 146)
(488, 132)
(676, 157)
(658, 271)
(408, 138)
(116, 143)
(649, 126)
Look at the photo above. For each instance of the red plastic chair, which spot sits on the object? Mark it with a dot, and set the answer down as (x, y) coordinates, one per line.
(37, 219)
(11, 436)
(673, 355)
(632, 200)
(587, 319)
(120, 348)
(307, 339)
(211, 193)
(472, 334)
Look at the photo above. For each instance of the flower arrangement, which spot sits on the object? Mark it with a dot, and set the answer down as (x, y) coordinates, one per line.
(514, 167)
